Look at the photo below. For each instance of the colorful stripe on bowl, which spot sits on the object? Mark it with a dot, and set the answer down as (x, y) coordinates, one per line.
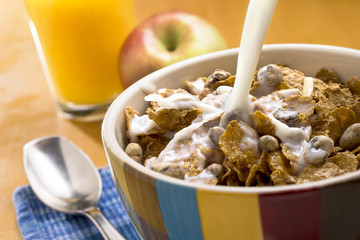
(162, 210)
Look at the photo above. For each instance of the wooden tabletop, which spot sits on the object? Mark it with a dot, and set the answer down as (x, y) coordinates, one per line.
(27, 110)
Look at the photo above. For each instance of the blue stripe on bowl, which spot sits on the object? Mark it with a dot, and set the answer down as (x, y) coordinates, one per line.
(179, 208)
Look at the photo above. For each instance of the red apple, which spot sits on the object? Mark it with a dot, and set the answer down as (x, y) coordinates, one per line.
(163, 39)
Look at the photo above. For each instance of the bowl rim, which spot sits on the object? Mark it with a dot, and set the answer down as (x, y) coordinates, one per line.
(111, 144)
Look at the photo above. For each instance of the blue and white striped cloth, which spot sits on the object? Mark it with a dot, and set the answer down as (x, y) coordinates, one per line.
(37, 221)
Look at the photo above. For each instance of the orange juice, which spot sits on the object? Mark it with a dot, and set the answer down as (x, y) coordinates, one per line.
(79, 42)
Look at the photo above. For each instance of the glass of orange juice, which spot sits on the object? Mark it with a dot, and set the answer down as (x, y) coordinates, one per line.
(78, 43)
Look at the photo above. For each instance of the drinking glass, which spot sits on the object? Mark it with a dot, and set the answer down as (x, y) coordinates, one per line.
(78, 43)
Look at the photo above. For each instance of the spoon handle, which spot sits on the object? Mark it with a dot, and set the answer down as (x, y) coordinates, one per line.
(106, 229)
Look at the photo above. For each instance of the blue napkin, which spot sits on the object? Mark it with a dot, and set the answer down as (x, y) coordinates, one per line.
(37, 221)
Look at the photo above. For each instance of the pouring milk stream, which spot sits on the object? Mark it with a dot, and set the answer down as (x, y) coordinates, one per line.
(258, 18)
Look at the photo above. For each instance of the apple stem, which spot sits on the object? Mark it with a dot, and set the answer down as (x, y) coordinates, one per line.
(257, 21)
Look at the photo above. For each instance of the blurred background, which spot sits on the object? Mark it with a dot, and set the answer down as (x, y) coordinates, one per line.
(26, 108)
(297, 21)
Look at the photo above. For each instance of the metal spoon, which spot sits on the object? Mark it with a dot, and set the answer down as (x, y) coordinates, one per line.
(64, 178)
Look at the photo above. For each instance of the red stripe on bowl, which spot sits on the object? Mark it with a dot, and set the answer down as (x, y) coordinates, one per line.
(291, 215)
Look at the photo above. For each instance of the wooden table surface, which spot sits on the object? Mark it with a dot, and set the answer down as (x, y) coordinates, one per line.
(27, 110)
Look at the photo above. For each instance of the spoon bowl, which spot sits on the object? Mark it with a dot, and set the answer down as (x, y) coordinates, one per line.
(64, 178)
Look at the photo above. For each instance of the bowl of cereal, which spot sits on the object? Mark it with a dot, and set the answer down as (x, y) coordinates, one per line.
(188, 167)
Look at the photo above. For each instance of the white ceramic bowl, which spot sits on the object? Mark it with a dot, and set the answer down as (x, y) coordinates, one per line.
(162, 207)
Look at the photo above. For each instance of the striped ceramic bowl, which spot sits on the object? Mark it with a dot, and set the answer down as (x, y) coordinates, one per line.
(162, 207)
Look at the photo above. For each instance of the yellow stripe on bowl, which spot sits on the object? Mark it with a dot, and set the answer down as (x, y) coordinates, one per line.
(239, 219)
